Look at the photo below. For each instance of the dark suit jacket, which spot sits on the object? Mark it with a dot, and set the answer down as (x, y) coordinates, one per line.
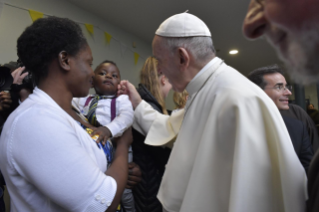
(300, 114)
(300, 140)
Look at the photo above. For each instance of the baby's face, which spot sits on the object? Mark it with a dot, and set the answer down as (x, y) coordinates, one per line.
(106, 79)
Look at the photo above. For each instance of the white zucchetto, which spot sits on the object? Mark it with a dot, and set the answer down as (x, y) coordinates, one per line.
(183, 25)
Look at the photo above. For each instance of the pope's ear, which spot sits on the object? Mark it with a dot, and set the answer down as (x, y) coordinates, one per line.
(64, 60)
(184, 57)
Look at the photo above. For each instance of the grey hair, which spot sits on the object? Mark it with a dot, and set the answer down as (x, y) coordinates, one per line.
(201, 48)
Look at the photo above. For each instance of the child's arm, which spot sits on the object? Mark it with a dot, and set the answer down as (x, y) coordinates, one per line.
(125, 116)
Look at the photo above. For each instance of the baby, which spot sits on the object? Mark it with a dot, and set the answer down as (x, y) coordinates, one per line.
(111, 115)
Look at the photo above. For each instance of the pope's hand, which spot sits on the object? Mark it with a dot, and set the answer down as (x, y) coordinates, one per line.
(125, 87)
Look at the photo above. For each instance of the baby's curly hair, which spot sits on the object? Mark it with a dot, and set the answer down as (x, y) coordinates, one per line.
(41, 42)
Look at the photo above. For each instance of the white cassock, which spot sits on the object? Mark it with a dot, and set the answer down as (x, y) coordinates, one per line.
(233, 152)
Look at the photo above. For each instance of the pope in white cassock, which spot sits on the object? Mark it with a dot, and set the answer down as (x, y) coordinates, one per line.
(233, 152)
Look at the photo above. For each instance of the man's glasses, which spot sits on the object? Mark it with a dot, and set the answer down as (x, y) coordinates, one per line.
(283, 88)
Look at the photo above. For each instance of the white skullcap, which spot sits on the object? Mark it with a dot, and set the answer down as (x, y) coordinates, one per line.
(183, 25)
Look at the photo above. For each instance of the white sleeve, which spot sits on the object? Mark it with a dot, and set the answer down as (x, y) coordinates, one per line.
(125, 116)
(49, 155)
(144, 116)
(159, 128)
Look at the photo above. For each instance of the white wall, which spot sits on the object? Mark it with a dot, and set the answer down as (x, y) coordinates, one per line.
(13, 21)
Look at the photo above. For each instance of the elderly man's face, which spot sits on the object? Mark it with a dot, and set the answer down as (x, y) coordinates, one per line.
(168, 63)
(292, 27)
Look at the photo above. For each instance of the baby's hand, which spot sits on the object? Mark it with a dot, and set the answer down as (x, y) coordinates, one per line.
(104, 134)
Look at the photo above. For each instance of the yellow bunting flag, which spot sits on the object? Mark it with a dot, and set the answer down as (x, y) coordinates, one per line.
(136, 56)
(35, 15)
(90, 28)
(108, 37)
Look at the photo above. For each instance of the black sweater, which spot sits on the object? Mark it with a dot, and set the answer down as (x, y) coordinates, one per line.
(152, 161)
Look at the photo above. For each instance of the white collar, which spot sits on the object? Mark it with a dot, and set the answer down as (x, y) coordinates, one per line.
(214, 60)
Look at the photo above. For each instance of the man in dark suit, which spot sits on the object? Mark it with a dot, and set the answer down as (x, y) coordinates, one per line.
(296, 112)
(272, 81)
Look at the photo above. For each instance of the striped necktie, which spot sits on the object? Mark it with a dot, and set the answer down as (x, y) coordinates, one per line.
(91, 116)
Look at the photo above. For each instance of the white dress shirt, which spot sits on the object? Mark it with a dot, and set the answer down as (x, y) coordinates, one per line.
(124, 112)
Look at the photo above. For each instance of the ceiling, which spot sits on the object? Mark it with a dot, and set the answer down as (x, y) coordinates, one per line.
(223, 17)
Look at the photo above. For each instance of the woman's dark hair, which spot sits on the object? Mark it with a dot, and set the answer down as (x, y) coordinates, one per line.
(41, 42)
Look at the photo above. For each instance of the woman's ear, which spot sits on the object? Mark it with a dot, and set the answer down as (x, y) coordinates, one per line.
(64, 60)
(163, 80)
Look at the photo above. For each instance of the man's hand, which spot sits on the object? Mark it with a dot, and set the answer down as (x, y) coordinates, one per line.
(104, 134)
(5, 100)
(125, 87)
(17, 77)
(134, 175)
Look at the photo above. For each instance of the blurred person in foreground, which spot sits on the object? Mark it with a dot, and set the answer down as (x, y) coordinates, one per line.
(292, 28)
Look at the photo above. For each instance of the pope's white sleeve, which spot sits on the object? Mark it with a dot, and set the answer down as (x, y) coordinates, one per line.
(125, 116)
(160, 129)
(48, 154)
(144, 116)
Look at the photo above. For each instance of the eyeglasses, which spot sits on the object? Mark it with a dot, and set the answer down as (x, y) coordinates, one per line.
(283, 88)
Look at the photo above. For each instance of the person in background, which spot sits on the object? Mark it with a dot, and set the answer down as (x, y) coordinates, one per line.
(296, 112)
(180, 99)
(272, 81)
(153, 88)
(314, 114)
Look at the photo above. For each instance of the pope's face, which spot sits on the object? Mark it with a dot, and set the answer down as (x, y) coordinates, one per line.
(168, 63)
(292, 28)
